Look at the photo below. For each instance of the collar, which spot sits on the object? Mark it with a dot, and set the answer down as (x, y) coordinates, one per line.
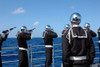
(75, 26)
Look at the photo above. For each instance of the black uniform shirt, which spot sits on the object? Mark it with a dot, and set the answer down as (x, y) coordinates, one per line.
(77, 42)
(64, 31)
(22, 38)
(93, 34)
(48, 36)
(99, 33)
(2, 39)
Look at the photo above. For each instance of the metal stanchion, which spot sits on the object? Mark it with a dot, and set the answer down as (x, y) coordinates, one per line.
(53, 58)
(31, 57)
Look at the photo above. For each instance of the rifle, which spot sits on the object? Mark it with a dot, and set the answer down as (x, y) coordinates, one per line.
(5, 31)
(31, 30)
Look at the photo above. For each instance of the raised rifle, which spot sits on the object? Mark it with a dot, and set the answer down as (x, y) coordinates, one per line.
(31, 30)
(5, 31)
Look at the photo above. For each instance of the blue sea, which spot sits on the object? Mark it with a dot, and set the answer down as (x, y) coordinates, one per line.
(12, 42)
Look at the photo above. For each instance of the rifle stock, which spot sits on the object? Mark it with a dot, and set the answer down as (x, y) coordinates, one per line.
(5, 31)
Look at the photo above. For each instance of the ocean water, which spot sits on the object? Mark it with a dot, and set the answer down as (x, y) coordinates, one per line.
(12, 42)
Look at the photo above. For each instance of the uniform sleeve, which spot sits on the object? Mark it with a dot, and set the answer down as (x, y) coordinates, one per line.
(99, 35)
(65, 51)
(93, 34)
(91, 51)
(62, 33)
(0, 38)
(43, 35)
(51, 34)
(4, 37)
(27, 36)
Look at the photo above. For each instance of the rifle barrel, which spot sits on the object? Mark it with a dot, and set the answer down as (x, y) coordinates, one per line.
(12, 28)
(31, 29)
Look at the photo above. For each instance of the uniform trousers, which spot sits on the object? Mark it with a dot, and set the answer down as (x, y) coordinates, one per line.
(0, 61)
(48, 57)
(23, 58)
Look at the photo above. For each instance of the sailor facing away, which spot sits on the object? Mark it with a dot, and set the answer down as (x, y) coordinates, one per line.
(67, 27)
(87, 28)
(77, 45)
(3, 37)
(22, 37)
(48, 36)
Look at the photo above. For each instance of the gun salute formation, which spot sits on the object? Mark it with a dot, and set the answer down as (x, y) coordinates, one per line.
(77, 45)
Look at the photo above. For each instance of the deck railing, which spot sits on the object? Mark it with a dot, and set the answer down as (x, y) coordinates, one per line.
(53, 57)
(8, 48)
(39, 58)
(33, 53)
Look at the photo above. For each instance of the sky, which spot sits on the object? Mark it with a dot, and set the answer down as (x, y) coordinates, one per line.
(39, 13)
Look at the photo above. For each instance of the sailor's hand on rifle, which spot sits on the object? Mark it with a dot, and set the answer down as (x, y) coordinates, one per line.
(52, 29)
(31, 30)
(5, 32)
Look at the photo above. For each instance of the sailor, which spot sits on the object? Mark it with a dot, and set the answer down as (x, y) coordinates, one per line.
(77, 45)
(99, 38)
(3, 37)
(22, 37)
(48, 36)
(87, 28)
(67, 27)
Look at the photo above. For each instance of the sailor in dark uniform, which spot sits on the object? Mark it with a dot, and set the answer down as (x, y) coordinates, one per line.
(3, 37)
(99, 34)
(67, 27)
(77, 45)
(48, 36)
(99, 38)
(87, 28)
(22, 37)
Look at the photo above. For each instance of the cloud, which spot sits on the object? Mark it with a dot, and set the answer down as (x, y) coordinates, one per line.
(36, 23)
(72, 7)
(18, 11)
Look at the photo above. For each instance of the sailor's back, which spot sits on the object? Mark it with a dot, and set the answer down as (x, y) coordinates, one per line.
(77, 45)
(22, 38)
